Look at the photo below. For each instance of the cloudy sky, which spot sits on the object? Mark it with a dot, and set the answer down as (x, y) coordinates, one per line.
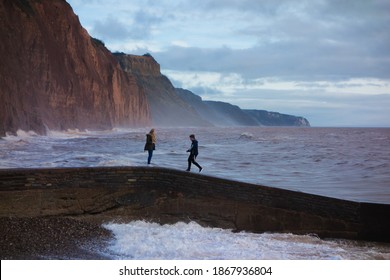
(326, 60)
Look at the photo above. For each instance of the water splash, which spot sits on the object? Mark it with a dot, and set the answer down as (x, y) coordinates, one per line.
(143, 240)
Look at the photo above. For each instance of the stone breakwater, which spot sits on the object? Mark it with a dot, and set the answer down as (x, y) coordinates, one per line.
(101, 194)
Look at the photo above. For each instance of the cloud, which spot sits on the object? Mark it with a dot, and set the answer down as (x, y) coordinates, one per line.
(287, 60)
(111, 28)
(138, 25)
(305, 39)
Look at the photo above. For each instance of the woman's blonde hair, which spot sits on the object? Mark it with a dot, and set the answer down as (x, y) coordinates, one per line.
(154, 138)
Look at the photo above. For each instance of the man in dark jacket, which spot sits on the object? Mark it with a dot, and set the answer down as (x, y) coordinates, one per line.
(193, 153)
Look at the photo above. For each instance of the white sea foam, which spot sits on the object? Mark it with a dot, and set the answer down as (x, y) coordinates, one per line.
(20, 135)
(76, 133)
(143, 240)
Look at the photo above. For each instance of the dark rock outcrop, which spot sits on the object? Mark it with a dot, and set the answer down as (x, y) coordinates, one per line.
(54, 75)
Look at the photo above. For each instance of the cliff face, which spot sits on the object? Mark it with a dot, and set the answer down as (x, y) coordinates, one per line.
(54, 75)
(276, 119)
(217, 113)
(144, 65)
(166, 106)
(225, 114)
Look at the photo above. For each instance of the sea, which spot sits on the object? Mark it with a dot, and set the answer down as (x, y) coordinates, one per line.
(345, 163)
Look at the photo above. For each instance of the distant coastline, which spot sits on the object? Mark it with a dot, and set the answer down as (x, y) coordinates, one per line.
(55, 76)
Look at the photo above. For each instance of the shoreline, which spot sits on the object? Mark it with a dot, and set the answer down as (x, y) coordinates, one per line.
(45, 238)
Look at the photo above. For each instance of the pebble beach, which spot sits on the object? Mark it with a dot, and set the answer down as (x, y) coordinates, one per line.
(59, 238)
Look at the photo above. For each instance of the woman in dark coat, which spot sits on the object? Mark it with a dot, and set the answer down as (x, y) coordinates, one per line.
(150, 144)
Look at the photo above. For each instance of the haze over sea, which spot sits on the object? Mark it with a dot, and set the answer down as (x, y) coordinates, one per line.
(346, 163)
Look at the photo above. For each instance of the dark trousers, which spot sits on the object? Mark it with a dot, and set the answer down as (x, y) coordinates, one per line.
(191, 159)
(150, 152)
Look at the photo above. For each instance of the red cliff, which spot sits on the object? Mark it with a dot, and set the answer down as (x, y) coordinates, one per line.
(166, 106)
(54, 75)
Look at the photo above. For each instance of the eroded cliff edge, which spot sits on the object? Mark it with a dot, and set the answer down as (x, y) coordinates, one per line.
(167, 107)
(53, 75)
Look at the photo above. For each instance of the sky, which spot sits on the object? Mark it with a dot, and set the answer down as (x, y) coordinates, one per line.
(325, 60)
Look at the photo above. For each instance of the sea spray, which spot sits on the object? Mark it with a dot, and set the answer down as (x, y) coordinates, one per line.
(144, 240)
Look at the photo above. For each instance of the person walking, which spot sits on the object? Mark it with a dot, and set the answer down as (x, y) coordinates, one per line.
(193, 153)
(150, 144)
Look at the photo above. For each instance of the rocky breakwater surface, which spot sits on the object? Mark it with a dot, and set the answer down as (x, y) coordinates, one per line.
(53, 75)
(68, 205)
